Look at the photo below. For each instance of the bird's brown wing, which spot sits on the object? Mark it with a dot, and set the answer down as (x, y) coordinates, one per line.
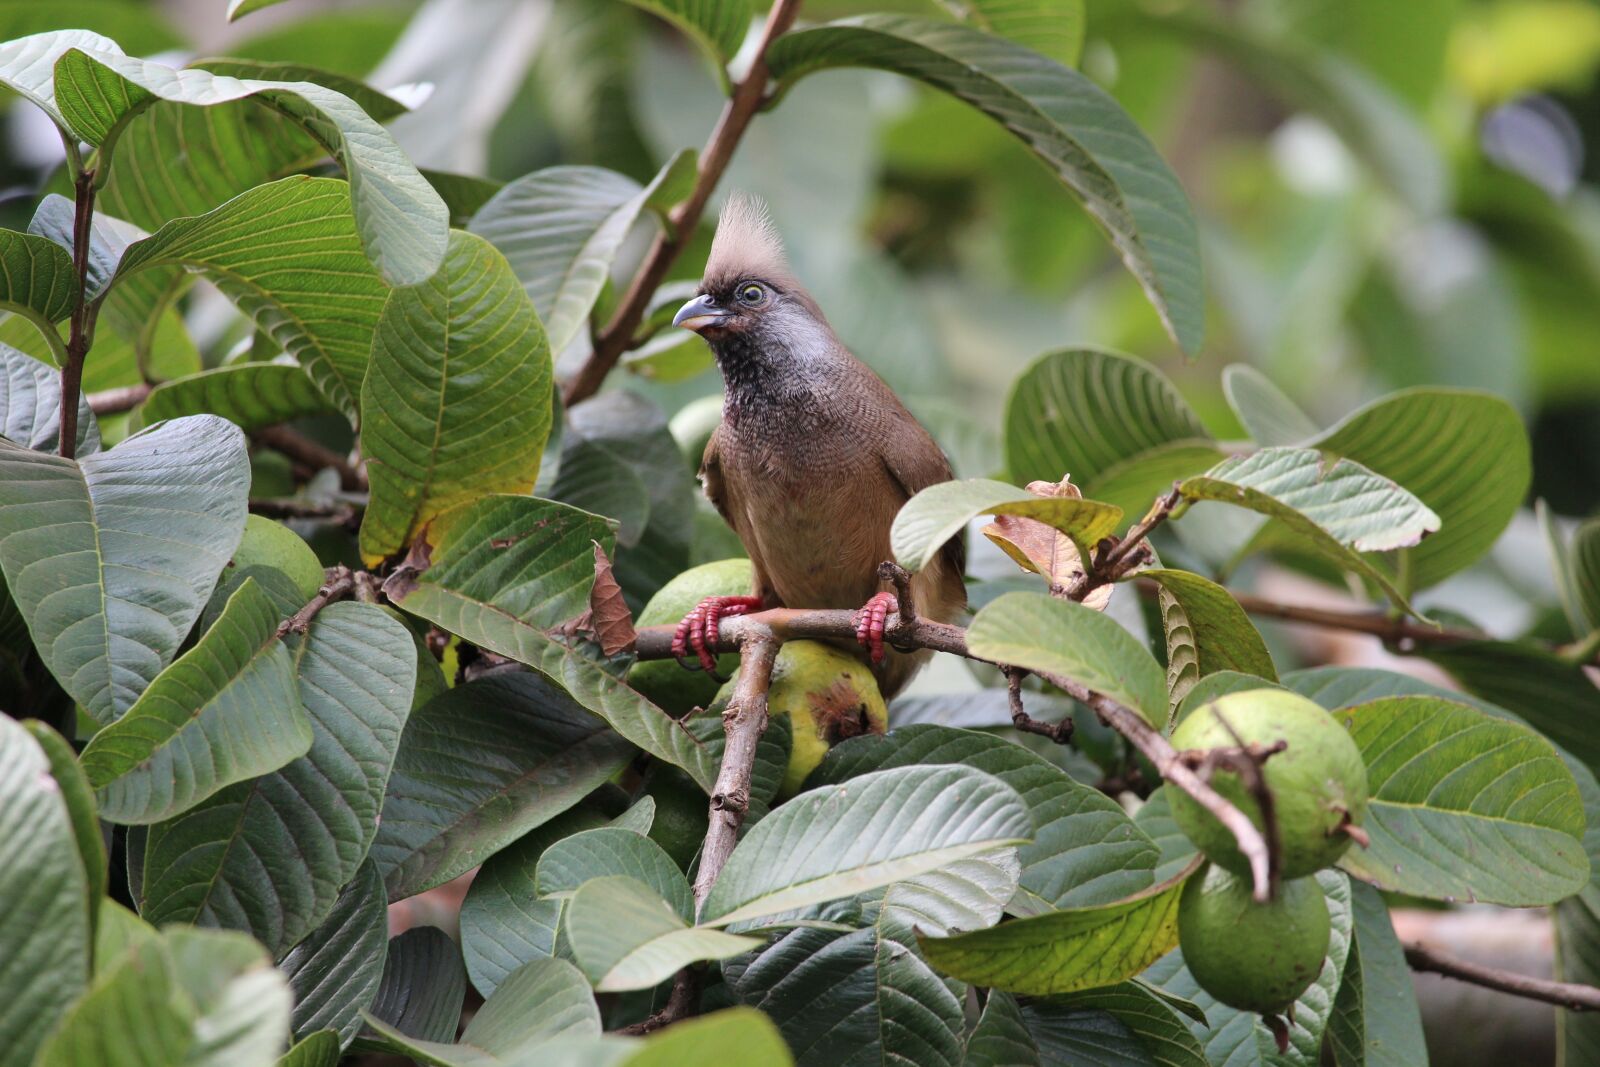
(721, 497)
(914, 462)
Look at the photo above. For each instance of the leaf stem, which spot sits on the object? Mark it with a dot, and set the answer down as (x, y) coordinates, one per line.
(83, 312)
(747, 99)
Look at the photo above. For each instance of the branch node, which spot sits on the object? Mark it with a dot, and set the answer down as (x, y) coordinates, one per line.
(338, 584)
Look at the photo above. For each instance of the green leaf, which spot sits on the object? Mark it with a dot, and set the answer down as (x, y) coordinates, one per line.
(45, 924)
(422, 989)
(717, 26)
(1053, 28)
(1577, 960)
(880, 828)
(456, 399)
(379, 107)
(561, 229)
(334, 971)
(626, 936)
(540, 1001)
(116, 931)
(1083, 411)
(1207, 631)
(608, 851)
(1084, 848)
(1127, 1023)
(1001, 1039)
(1067, 950)
(135, 1014)
(1240, 1038)
(1154, 817)
(1585, 557)
(225, 711)
(275, 252)
(1076, 128)
(1341, 509)
(479, 766)
(1134, 483)
(269, 856)
(27, 65)
(242, 1000)
(1375, 1020)
(238, 9)
(508, 568)
(320, 1049)
(110, 558)
(1463, 454)
(1267, 414)
(30, 405)
(504, 921)
(942, 511)
(78, 798)
(736, 1035)
(249, 395)
(37, 282)
(1464, 806)
(402, 222)
(1066, 639)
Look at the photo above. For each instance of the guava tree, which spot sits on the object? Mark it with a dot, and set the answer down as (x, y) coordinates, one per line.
(380, 592)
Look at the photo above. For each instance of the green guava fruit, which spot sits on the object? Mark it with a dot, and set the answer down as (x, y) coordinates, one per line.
(666, 684)
(1318, 783)
(828, 694)
(1252, 956)
(269, 544)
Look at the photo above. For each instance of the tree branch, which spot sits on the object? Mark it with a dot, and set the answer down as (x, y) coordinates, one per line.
(83, 313)
(116, 401)
(748, 96)
(337, 584)
(304, 450)
(784, 624)
(1569, 995)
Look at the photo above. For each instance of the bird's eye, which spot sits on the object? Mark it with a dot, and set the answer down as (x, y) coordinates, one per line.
(752, 293)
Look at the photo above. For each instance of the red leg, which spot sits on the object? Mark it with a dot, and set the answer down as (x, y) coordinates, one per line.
(698, 630)
(870, 622)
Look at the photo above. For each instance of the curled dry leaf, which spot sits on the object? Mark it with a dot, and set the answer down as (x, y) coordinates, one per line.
(607, 618)
(1041, 548)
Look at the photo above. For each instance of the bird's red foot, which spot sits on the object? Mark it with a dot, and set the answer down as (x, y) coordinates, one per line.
(698, 630)
(870, 621)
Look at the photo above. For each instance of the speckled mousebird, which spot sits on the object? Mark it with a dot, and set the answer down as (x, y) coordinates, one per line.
(814, 456)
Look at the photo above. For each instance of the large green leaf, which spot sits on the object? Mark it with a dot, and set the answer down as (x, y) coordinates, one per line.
(479, 766)
(1465, 806)
(1241, 1038)
(249, 395)
(1267, 414)
(879, 828)
(625, 935)
(27, 65)
(243, 1002)
(1375, 1020)
(225, 711)
(78, 797)
(1577, 959)
(503, 572)
(1085, 850)
(402, 222)
(561, 229)
(567, 865)
(110, 558)
(422, 989)
(134, 1015)
(1463, 454)
(1001, 1038)
(44, 927)
(334, 972)
(269, 856)
(942, 511)
(30, 405)
(540, 1001)
(320, 1049)
(1083, 411)
(456, 402)
(717, 26)
(289, 256)
(37, 282)
(1341, 509)
(1064, 638)
(1067, 950)
(1207, 631)
(1075, 127)
(1128, 1023)
(1053, 28)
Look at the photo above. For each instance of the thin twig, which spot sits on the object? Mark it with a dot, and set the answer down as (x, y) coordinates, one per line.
(1059, 732)
(301, 448)
(1393, 630)
(1114, 559)
(747, 98)
(1569, 995)
(338, 583)
(683, 1002)
(116, 401)
(81, 331)
(336, 512)
(784, 624)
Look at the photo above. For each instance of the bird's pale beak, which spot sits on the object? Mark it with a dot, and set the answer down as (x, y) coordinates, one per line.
(700, 313)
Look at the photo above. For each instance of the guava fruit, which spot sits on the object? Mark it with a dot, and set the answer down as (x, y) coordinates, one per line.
(269, 544)
(1318, 783)
(669, 686)
(1252, 956)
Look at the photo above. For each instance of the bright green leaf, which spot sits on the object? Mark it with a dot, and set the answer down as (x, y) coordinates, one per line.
(249, 395)
(1269, 416)
(242, 1000)
(626, 936)
(717, 26)
(78, 798)
(566, 866)
(1207, 631)
(320, 1049)
(37, 282)
(942, 511)
(134, 1015)
(1053, 28)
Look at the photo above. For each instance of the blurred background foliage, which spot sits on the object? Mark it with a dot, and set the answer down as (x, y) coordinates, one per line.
(1389, 195)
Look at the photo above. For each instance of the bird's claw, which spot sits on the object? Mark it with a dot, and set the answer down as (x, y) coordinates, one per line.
(698, 632)
(870, 622)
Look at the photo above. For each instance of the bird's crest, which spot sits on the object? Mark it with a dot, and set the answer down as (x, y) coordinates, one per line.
(747, 245)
